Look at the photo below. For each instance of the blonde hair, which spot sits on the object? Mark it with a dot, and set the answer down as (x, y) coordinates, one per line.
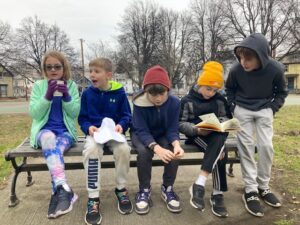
(62, 59)
(103, 63)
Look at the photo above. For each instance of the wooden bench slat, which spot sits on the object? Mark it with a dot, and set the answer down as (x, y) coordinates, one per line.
(25, 150)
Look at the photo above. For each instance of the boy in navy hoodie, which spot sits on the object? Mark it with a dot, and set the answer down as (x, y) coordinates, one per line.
(155, 131)
(256, 90)
(104, 99)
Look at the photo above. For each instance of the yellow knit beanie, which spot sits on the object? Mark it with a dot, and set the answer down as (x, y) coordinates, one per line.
(212, 75)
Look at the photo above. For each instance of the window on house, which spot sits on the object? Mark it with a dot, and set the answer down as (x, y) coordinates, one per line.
(3, 90)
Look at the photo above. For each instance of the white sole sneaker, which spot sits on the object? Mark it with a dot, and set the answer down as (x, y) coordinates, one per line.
(170, 209)
(74, 199)
(191, 200)
(252, 213)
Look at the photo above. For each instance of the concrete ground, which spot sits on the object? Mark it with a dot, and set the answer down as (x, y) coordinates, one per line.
(34, 200)
(21, 106)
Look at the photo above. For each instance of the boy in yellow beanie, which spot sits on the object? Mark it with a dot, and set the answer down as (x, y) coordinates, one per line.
(204, 98)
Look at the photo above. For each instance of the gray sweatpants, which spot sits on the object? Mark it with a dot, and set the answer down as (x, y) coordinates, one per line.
(257, 130)
(92, 155)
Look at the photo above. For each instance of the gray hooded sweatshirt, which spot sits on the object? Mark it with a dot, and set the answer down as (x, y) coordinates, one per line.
(257, 89)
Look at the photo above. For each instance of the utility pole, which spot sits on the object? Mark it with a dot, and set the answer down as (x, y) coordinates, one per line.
(82, 62)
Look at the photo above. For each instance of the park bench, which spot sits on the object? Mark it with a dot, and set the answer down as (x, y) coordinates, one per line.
(20, 155)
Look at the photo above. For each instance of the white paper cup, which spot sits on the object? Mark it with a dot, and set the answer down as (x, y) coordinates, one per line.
(57, 93)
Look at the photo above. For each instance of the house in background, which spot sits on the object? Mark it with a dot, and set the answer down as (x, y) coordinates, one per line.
(127, 83)
(292, 72)
(6, 84)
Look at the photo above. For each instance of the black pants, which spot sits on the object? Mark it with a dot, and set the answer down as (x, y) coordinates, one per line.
(144, 162)
(212, 145)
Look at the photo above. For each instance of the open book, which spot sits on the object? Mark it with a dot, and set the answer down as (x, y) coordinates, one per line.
(107, 132)
(211, 122)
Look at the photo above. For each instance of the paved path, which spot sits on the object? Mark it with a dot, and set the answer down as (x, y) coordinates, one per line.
(22, 106)
(34, 201)
(13, 107)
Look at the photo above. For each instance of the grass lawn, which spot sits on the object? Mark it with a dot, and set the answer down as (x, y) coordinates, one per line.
(287, 148)
(14, 128)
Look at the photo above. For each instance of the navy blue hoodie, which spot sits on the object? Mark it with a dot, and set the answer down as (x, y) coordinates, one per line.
(97, 104)
(150, 122)
(257, 89)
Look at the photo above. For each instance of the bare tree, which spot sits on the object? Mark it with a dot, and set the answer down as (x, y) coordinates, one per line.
(7, 50)
(59, 41)
(211, 36)
(139, 36)
(99, 49)
(5, 39)
(273, 18)
(175, 36)
(34, 38)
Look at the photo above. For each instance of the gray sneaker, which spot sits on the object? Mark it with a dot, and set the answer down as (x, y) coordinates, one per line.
(197, 196)
(66, 200)
(52, 206)
(217, 205)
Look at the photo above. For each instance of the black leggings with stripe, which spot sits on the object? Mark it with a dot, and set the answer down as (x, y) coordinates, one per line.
(212, 146)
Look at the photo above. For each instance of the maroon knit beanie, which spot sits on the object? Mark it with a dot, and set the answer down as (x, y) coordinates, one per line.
(157, 75)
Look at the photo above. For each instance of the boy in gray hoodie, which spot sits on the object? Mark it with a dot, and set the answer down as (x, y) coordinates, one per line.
(256, 90)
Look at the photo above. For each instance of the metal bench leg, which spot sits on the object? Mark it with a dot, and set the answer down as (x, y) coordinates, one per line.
(13, 197)
(29, 179)
(18, 169)
(230, 170)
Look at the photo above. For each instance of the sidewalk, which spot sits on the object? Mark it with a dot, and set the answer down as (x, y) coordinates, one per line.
(21, 106)
(34, 200)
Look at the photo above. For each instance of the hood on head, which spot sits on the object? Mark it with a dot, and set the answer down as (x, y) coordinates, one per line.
(259, 44)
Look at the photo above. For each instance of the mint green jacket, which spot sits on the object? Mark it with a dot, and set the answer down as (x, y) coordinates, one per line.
(39, 109)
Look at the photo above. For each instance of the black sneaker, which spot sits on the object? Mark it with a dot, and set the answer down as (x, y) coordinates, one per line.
(52, 206)
(93, 215)
(197, 196)
(217, 205)
(124, 203)
(171, 199)
(143, 201)
(66, 199)
(269, 198)
(252, 204)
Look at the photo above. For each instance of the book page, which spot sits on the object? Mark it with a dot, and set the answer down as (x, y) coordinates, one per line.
(211, 118)
(209, 122)
(231, 125)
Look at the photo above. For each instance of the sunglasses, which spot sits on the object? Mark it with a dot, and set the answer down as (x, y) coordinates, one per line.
(53, 67)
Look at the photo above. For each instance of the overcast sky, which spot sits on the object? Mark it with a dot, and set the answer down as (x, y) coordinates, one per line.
(88, 19)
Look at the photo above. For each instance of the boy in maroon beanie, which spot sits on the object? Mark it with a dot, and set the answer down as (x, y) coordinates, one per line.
(155, 130)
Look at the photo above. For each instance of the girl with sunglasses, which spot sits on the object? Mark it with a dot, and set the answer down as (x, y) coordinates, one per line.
(54, 107)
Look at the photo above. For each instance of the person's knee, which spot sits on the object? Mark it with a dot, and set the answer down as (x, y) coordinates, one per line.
(144, 154)
(122, 151)
(91, 149)
(48, 140)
